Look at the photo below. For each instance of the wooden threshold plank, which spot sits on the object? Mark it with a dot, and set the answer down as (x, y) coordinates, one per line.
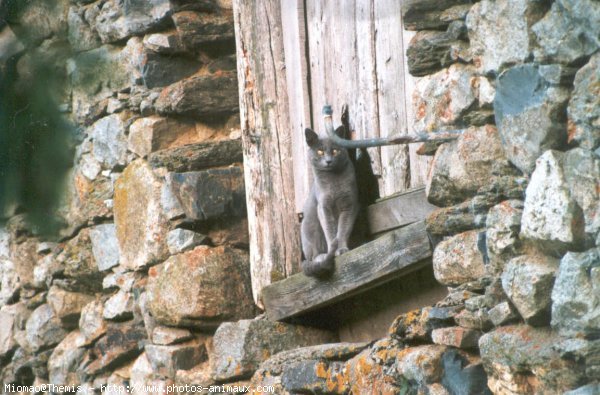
(398, 210)
(390, 256)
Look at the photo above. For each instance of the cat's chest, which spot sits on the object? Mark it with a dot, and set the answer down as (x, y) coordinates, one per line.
(338, 190)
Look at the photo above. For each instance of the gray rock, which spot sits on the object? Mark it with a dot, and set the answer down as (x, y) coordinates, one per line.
(119, 307)
(314, 377)
(582, 172)
(79, 267)
(442, 99)
(196, 29)
(430, 51)
(528, 282)
(530, 115)
(240, 347)
(141, 374)
(80, 34)
(167, 360)
(551, 217)
(417, 325)
(105, 246)
(569, 31)
(503, 313)
(575, 297)
(201, 288)
(122, 343)
(463, 374)
(43, 328)
(117, 20)
(109, 140)
(150, 134)
(198, 156)
(95, 75)
(456, 337)
(41, 20)
(478, 319)
(590, 389)
(499, 32)
(164, 336)
(459, 259)
(199, 96)
(91, 322)
(584, 106)
(517, 359)
(157, 70)
(464, 166)
(65, 359)
(502, 233)
(427, 14)
(210, 194)
(180, 240)
(163, 42)
(9, 281)
(169, 203)
(12, 321)
(67, 305)
(141, 225)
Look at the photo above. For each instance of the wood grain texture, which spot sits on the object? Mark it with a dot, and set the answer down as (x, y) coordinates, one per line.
(398, 210)
(388, 257)
(266, 139)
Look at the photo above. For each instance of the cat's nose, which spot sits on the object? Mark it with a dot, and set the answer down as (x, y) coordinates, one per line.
(328, 161)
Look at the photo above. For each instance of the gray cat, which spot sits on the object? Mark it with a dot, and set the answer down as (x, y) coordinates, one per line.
(331, 207)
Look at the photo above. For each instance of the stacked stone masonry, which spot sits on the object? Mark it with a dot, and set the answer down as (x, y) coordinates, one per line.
(148, 284)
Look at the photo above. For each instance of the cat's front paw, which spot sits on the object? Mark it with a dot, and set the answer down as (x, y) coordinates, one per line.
(341, 251)
(321, 258)
(318, 269)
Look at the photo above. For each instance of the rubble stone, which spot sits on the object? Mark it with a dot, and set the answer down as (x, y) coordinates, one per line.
(166, 360)
(569, 31)
(239, 347)
(66, 357)
(551, 217)
(141, 226)
(503, 225)
(67, 305)
(528, 282)
(91, 323)
(165, 336)
(575, 297)
(180, 240)
(43, 328)
(584, 106)
(196, 29)
(500, 32)
(105, 246)
(462, 167)
(459, 259)
(456, 337)
(201, 288)
(582, 172)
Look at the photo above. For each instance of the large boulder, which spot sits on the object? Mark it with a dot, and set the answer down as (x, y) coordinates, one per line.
(117, 20)
(462, 167)
(575, 296)
(500, 34)
(569, 31)
(459, 259)
(521, 359)
(527, 280)
(551, 217)
(201, 288)
(584, 106)
(530, 115)
(141, 224)
(240, 347)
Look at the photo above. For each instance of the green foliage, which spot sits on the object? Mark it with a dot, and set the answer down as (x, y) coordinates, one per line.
(35, 152)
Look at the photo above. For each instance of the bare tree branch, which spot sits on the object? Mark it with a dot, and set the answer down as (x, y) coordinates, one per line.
(420, 137)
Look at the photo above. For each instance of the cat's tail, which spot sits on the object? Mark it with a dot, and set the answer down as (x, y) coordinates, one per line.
(321, 267)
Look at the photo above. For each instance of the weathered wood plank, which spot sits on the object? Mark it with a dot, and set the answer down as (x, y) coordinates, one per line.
(398, 210)
(391, 99)
(419, 165)
(266, 139)
(296, 70)
(388, 257)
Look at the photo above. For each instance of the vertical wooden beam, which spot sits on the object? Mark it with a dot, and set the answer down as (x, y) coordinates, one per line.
(296, 70)
(389, 55)
(267, 142)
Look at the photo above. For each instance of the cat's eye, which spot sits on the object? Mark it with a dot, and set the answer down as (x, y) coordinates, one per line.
(335, 152)
(320, 152)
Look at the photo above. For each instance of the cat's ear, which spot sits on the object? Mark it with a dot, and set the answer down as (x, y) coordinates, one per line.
(341, 132)
(311, 137)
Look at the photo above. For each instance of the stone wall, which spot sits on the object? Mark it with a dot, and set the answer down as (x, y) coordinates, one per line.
(517, 231)
(149, 282)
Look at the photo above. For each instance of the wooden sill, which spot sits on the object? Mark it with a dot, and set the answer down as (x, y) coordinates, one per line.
(391, 256)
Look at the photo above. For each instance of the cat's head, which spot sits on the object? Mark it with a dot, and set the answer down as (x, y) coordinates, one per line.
(324, 154)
